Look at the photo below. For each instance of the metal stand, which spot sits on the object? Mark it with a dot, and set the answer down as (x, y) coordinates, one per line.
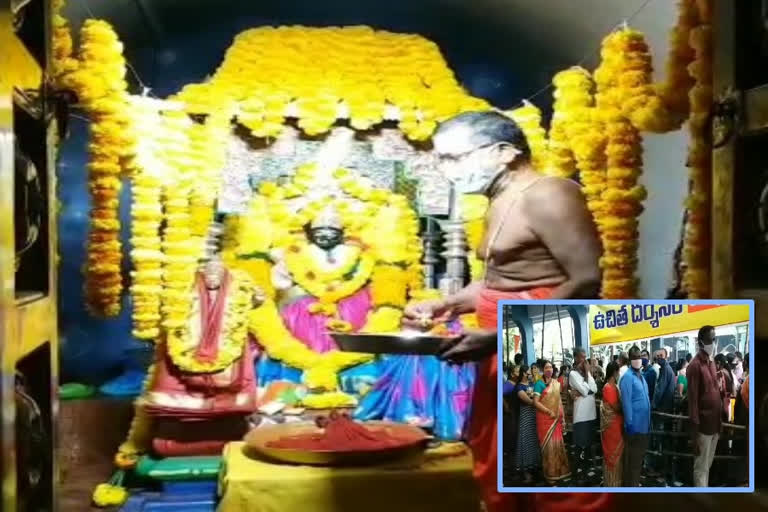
(431, 240)
(455, 252)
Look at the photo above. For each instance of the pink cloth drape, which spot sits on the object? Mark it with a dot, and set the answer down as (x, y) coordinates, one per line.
(310, 328)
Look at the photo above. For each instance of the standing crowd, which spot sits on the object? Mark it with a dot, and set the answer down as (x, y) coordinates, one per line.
(618, 402)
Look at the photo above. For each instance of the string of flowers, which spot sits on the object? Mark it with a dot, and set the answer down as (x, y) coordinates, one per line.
(362, 70)
(63, 62)
(146, 217)
(573, 95)
(99, 83)
(696, 239)
(181, 252)
(473, 210)
(586, 133)
(674, 90)
(528, 117)
(623, 52)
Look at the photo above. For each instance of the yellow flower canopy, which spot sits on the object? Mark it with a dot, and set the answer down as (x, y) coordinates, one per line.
(319, 75)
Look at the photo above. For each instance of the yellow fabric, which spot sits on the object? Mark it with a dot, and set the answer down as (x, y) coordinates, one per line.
(432, 482)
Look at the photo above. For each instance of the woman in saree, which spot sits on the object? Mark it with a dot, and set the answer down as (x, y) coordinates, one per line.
(549, 424)
(527, 457)
(612, 428)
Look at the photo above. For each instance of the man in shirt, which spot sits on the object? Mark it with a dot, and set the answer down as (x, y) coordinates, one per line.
(648, 373)
(664, 394)
(705, 406)
(637, 419)
(623, 366)
(584, 412)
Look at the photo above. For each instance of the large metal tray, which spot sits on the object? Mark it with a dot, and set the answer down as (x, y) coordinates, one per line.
(389, 343)
(415, 442)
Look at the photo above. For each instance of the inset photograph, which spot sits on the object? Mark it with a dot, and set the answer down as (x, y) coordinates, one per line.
(626, 395)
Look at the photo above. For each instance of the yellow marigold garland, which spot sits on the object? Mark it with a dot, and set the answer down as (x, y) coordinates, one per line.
(696, 239)
(146, 217)
(182, 251)
(573, 95)
(63, 62)
(183, 342)
(635, 93)
(528, 117)
(361, 71)
(322, 369)
(100, 85)
(623, 53)
(473, 211)
(674, 90)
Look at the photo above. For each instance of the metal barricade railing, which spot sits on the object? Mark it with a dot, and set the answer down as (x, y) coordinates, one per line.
(671, 453)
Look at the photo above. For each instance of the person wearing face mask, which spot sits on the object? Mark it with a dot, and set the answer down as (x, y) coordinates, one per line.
(637, 419)
(648, 373)
(541, 243)
(584, 389)
(704, 406)
(738, 368)
(664, 394)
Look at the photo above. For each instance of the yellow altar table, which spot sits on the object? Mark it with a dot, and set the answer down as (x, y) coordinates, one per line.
(434, 482)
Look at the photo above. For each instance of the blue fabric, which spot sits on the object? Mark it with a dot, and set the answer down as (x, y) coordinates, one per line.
(664, 396)
(359, 380)
(635, 403)
(509, 388)
(269, 370)
(650, 379)
(423, 391)
(539, 387)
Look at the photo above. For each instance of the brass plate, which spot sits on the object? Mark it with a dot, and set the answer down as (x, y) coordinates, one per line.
(389, 343)
(256, 441)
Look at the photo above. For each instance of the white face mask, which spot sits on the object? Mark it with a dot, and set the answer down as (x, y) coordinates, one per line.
(709, 349)
(636, 363)
(475, 181)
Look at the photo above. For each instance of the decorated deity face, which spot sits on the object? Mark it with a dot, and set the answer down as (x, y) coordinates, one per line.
(213, 274)
(326, 237)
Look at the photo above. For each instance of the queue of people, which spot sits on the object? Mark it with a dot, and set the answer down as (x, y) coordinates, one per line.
(711, 389)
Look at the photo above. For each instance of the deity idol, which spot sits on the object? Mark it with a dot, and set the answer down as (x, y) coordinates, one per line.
(417, 390)
(204, 372)
(327, 258)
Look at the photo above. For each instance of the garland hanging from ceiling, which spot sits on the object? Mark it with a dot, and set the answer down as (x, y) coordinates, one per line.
(596, 130)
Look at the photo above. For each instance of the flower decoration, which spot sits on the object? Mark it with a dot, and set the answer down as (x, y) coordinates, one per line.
(362, 72)
(696, 239)
(99, 83)
(573, 97)
(528, 117)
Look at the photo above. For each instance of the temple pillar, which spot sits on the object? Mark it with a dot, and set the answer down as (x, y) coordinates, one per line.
(580, 326)
(519, 315)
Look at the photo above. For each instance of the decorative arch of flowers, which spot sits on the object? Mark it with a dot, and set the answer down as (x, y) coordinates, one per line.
(365, 76)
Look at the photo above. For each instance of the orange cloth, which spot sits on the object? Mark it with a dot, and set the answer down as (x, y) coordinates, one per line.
(484, 423)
